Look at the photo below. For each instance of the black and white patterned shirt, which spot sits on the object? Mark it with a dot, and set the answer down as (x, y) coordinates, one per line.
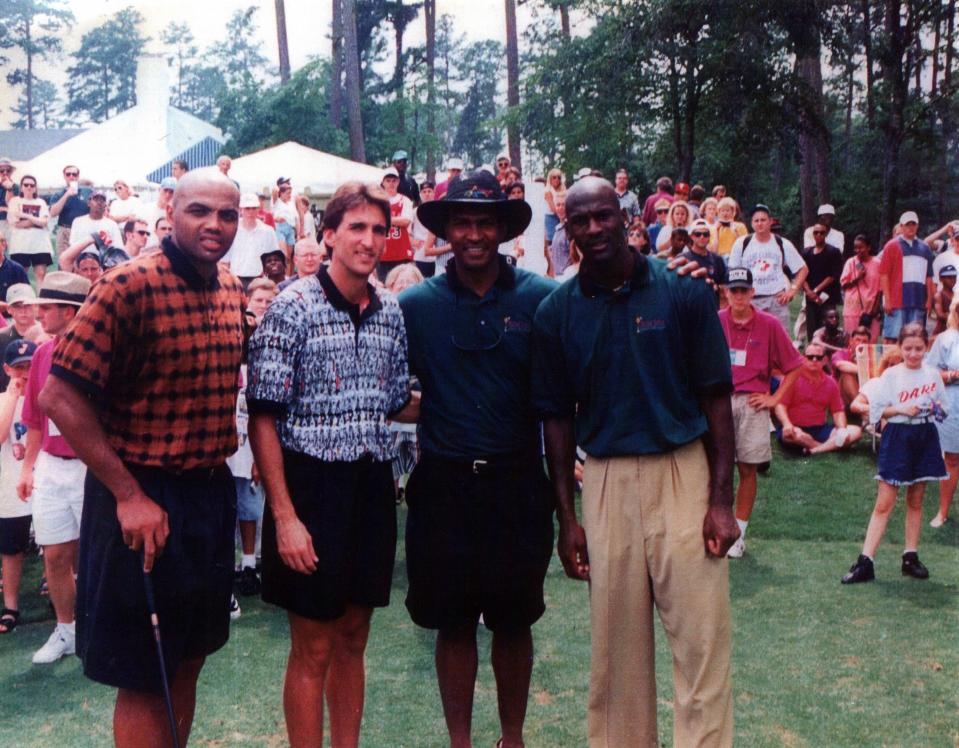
(330, 373)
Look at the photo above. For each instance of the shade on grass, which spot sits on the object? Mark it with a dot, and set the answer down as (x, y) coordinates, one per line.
(814, 663)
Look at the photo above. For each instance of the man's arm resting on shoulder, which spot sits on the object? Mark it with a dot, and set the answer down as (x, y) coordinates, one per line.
(142, 521)
(561, 459)
(409, 413)
(719, 526)
(293, 540)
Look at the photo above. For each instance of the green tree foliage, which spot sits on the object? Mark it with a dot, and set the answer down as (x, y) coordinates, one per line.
(45, 111)
(102, 80)
(33, 28)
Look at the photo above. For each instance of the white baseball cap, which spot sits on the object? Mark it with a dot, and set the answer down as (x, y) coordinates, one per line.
(908, 217)
(455, 163)
(249, 200)
(826, 210)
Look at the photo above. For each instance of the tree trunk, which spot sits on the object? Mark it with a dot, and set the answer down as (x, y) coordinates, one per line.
(336, 66)
(867, 49)
(897, 78)
(28, 49)
(512, 82)
(429, 10)
(399, 27)
(352, 59)
(692, 105)
(937, 22)
(281, 42)
(674, 109)
(564, 21)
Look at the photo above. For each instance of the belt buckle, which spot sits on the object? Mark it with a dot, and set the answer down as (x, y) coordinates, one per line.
(477, 464)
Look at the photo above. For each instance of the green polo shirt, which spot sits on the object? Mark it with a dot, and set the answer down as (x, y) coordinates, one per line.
(472, 357)
(630, 364)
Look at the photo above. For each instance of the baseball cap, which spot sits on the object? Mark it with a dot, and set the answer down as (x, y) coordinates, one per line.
(662, 203)
(699, 223)
(18, 352)
(948, 271)
(681, 187)
(168, 183)
(455, 163)
(4, 161)
(400, 156)
(249, 200)
(98, 195)
(584, 172)
(908, 217)
(826, 210)
(282, 180)
(391, 172)
(739, 278)
(19, 293)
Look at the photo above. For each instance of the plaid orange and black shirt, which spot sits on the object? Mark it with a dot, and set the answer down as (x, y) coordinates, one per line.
(159, 348)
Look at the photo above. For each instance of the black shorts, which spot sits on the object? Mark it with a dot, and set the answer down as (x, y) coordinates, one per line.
(28, 259)
(478, 542)
(349, 509)
(14, 535)
(192, 578)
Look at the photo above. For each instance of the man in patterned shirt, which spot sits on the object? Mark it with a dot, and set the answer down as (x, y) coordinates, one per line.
(143, 387)
(327, 367)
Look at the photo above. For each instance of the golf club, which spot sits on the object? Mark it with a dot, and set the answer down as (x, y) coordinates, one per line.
(155, 622)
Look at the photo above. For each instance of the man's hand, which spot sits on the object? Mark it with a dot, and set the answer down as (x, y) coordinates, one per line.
(295, 545)
(789, 431)
(571, 548)
(144, 526)
(25, 484)
(685, 266)
(784, 297)
(762, 401)
(720, 530)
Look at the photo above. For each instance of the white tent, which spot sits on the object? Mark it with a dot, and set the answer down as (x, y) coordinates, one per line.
(311, 171)
(130, 145)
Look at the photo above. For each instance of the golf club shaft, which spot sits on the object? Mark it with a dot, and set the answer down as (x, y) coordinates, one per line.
(155, 622)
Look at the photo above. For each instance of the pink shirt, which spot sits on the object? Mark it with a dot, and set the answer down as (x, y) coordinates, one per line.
(809, 400)
(767, 347)
(33, 415)
(859, 299)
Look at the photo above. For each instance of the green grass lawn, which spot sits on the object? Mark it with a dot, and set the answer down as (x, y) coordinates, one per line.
(815, 663)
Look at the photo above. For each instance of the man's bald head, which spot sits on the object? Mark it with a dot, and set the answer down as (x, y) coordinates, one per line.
(205, 180)
(590, 189)
(205, 211)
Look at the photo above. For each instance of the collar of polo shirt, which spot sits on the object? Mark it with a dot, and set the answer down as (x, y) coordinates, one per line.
(505, 279)
(186, 270)
(639, 278)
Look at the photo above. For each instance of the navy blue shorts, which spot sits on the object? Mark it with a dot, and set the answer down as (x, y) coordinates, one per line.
(349, 509)
(477, 542)
(14, 535)
(192, 578)
(910, 453)
(820, 433)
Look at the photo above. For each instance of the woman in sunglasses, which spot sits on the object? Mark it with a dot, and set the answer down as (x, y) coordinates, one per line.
(29, 239)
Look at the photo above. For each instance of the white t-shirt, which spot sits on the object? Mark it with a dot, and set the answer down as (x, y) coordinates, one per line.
(152, 214)
(241, 461)
(900, 385)
(132, 206)
(83, 226)
(286, 211)
(309, 225)
(419, 233)
(10, 462)
(32, 240)
(765, 260)
(248, 245)
(834, 237)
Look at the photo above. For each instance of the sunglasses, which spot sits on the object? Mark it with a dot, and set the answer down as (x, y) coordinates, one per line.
(28, 184)
(700, 233)
(814, 357)
(141, 232)
(71, 174)
(6, 170)
(662, 210)
(819, 233)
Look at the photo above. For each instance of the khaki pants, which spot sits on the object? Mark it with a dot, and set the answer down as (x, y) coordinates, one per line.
(644, 528)
(63, 240)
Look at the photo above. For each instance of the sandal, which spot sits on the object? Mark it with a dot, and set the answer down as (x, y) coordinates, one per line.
(8, 620)
(43, 588)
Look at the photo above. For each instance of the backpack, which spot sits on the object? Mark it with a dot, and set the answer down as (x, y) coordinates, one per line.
(782, 251)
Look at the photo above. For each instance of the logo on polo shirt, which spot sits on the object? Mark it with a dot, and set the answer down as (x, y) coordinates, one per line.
(516, 325)
(648, 325)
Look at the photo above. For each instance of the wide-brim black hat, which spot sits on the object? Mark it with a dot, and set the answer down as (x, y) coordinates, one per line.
(476, 188)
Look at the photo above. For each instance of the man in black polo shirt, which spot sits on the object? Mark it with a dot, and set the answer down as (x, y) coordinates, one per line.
(636, 358)
(69, 204)
(479, 529)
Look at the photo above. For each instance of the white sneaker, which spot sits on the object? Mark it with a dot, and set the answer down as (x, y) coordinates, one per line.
(738, 548)
(58, 645)
(937, 521)
(234, 608)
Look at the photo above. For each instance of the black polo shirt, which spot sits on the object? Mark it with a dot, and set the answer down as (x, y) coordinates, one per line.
(472, 357)
(630, 364)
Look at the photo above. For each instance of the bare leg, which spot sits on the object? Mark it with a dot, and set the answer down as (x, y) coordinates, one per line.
(914, 496)
(140, 718)
(746, 491)
(40, 271)
(58, 560)
(801, 439)
(852, 436)
(947, 487)
(885, 501)
(848, 388)
(456, 666)
(346, 681)
(248, 536)
(12, 573)
(512, 659)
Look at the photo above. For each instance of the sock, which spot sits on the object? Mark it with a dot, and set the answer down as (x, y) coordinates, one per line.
(865, 556)
(911, 550)
(249, 559)
(70, 629)
(743, 524)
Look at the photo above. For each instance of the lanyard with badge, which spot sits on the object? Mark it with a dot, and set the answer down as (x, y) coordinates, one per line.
(737, 356)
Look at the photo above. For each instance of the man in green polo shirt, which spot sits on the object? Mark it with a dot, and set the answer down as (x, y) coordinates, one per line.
(479, 530)
(630, 364)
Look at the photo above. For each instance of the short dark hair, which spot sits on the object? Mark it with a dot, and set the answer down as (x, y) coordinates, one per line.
(680, 231)
(427, 183)
(760, 208)
(181, 163)
(513, 185)
(697, 192)
(665, 184)
(352, 195)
